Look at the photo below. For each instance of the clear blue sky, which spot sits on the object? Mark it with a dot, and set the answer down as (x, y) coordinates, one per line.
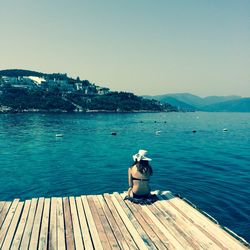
(141, 46)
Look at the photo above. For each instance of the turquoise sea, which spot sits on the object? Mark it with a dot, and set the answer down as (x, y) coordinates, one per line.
(210, 167)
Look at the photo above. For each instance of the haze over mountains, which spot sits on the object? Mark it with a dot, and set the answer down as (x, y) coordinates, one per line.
(189, 102)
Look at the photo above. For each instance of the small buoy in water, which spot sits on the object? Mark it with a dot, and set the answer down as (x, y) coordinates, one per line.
(165, 122)
(225, 129)
(158, 132)
(155, 121)
(113, 133)
(194, 131)
(59, 135)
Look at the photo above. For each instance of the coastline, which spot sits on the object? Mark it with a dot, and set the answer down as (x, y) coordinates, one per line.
(7, 110)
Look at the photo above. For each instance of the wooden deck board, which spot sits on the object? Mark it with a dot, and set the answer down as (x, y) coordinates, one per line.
(174, 225)
(91, 223)
(68, 225)
(124, 230)
(151, 223)
(98, 223)
(9, 237)
(43, 237)
(109, 222)
(138, 233)
(174, 230)
(7, 221)
(21, 226)
(192, 232)
(172, 242)
(76, 225)
(108, 230)
(4, 212)
(1, 206)
(119, 237)
(60, 225)
(146, 226)
(29, 224)
(37, 224)
(83, 224)
(203, 223)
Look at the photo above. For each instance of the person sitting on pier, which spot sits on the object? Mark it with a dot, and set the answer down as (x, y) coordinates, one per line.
(138, 176)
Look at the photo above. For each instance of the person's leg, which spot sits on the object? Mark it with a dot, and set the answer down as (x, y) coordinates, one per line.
(130, 193)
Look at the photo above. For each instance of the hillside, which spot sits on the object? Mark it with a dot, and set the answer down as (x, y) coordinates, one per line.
(12, 73)
(24, 90)
(20, 72)
(210, 100)
(240, 105)
(189, 102)
(187, 98)
(179, 104)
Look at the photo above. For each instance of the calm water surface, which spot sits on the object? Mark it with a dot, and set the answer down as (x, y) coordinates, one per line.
(211, 167)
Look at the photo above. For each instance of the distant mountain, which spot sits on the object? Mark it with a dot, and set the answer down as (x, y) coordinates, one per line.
(217, 99)
(187, 98)
(239, 105)
(179, 104)
(189, 102)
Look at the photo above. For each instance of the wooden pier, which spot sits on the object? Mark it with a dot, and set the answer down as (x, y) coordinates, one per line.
(108, 222)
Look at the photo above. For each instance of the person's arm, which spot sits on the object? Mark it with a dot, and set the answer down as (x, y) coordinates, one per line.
(130, 181)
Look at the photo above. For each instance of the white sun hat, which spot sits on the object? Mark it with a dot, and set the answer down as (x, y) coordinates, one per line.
(141, 155)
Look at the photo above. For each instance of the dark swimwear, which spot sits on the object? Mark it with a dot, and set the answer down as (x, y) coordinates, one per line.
(142, 199)
(138, 179)
(138, 196)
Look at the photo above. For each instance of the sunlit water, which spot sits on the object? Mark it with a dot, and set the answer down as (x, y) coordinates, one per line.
(210, 167)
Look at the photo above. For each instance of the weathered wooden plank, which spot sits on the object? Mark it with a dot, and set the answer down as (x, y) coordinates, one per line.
(120, 239)
(83, 224)
(29, 224)
(140, 237)
(157, 231)
(99, 226)
(203, 223)
(173, 229)
(7, 221)
(60, 226)
(2, 203)
(120, 223)
(52, 225)
(91, 223)
(105, 222)
(172, 242)
(37, 224)
(146, 225)
(184, 238)
(151, 223)
(43, 237)
(21, 225)
(144, 235)
(108, 230)
(4, 212)
(12, 228)
(196, 238)
(68, 225)
(76, 225)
